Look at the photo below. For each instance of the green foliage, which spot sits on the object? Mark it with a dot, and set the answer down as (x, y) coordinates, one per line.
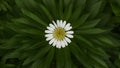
(95, 45)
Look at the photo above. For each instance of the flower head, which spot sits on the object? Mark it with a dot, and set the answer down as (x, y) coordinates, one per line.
(59, 33)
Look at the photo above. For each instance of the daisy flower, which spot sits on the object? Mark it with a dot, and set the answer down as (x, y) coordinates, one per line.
(59, 33)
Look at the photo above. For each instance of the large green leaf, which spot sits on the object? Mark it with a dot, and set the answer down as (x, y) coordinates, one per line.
(27, 22)
(40, 54)
(80, 21)
(90, 24)
(91, 31)
(91, 47)
(80, 55)
(60, 59)
(107, 40)
(11, 43)
(116, 9)
(36, 64)
(68, 61)
(68, 10)
(60, 8)
(51, 6)
(34, 17)
(33, 6)
(99, 61)
(80, 4)
(94, 9)
(115, 4)
(48, 61)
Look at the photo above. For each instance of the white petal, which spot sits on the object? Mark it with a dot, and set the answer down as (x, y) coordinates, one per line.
(52, 26)
(48, 31)
(64, 23)
(61, 23)
(49, 38)
(55, 42)
(58, 44)
(58, 23)
(51, 41)
(70, 32)
(67, 40)
(49, 35)
(49, 28)
(62, 44)
(67, 27)
(69, 36)
(54, 23)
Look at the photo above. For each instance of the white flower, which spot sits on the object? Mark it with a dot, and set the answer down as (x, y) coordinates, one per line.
(59, 33)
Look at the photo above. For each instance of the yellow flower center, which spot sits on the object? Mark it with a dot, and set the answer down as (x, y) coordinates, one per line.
(59, 33)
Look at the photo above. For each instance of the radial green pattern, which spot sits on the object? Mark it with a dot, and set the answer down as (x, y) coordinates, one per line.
(90, 47)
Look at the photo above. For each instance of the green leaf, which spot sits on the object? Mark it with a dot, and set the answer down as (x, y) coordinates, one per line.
(60, 8)
(25, 29)
(20, 3)
(45, 63)
(10, 66)
(45, 10)
(37, 64)
(49, 58)
(51, 6)
(98, 60)
(66, 3)
(68, 11)
(3, 7)
(80, 55)
(83, 39)
(107, 41)
(33, 6)
(14, 54)
(99, 51)
(80, 21)
(117, 63)
(78, 9)
(60, 60)
(29, 5)
(75, 66)
(7, 5)
(39, 55)
(2, 64)
(36, 45)
(90, 24)
(21, 26)
(34, 17)
(91, 47)
(94, 9)
(68, 61)
(91, 31)
(10, 43)
(27, 23)
(116, 19)
(32, 31)
(106, 20)
(116, 9)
